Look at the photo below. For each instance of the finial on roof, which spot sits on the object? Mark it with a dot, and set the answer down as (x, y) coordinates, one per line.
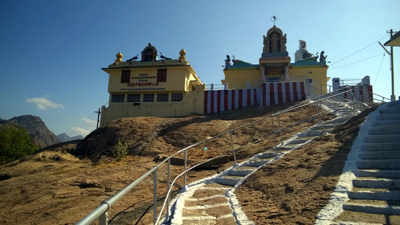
(119, 57)
(274, 19)
(182, 54)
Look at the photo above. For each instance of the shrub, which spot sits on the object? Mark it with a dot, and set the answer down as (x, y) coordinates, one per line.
(15, 143)
(120, 150)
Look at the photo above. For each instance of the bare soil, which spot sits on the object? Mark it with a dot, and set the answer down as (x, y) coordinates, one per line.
(65, 182)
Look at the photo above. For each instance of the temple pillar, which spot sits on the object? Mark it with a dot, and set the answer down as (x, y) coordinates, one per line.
(286, 74)
(262, 75)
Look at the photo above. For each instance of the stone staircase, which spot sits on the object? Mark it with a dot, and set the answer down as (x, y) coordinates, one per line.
(212, 200)
(376, 186)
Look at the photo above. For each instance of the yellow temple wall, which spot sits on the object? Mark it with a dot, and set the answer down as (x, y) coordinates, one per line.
(192, 103)
(237, 79)
(317, 74)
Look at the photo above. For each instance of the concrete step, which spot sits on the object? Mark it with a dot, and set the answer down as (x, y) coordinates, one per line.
(380, 155)
(374, 194)
(388, 129)
(391, 110)
(229, 180)
(241, 171)
(300, 140)
(394, 103)
(324, 129)
(258, 162)
(348, 217)
(269, 154)
(373, 206)
(326, 126)
(384, 138)
(373, 182)
(339, 120)
(347, 110)
(388, 117)
(284, 148)
(378, 164)
(381, 146)
(311, 133)
(378, 173)
(385, 122)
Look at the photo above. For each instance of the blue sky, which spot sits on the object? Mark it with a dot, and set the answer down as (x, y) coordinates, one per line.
(52, 52)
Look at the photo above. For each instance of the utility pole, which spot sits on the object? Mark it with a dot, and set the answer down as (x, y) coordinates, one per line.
(98, 117)
(392, 97)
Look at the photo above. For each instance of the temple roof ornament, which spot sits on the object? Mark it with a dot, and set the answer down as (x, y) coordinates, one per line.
(274, 43)
(119, 57)
(182, 54)
(149, 54)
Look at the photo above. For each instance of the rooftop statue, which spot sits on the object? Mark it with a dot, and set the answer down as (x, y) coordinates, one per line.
(133, 59)
(322, 57)
(228, 60)
(163, 57)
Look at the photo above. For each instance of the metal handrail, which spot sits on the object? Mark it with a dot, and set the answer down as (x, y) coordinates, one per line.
(101, 211)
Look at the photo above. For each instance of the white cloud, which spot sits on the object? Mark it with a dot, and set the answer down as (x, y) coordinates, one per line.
(81, 131)
(89, 121)
(43, 103)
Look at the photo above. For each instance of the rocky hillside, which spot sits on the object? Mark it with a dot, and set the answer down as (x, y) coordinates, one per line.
(55, 187)
(65, 138)
(37, 129)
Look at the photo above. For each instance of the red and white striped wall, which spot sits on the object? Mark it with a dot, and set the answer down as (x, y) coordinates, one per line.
(225, 100)
(277, 93)
(362, 94)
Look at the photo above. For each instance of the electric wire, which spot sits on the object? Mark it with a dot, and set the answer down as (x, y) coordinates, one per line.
(80, 126)
(379, 69)
(359, 50)
(358, 61)
(85, 124)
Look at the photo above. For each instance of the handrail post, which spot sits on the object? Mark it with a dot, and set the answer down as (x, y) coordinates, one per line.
(103, 219)
(354, 108)
(168, 187)
(155, 197)
(280, 133)
(233, 149)
(273, 130)
(184, 177)
(319, 117)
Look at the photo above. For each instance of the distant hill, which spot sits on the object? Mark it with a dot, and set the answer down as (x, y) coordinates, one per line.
(36, 128)
(64, 137)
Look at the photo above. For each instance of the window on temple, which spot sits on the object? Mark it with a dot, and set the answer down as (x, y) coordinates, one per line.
(162, 75)
(162, 97)
(148, 97)
(125, 76)
(176, 97)
(118, 98)
(133, 97)
(273, 79)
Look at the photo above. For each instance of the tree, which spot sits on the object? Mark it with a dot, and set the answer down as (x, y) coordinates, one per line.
(15, 143)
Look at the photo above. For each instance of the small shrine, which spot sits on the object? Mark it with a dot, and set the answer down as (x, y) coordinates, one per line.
(275, 60)
(149, 54)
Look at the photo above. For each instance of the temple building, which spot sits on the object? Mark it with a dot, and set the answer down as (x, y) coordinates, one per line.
(275, 66)
(166, 87)
(151, 86)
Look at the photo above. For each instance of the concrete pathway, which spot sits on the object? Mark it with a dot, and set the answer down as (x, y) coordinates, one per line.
(212, 200)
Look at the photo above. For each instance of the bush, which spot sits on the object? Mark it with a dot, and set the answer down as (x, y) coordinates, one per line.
(120, 150)
(15, 143)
